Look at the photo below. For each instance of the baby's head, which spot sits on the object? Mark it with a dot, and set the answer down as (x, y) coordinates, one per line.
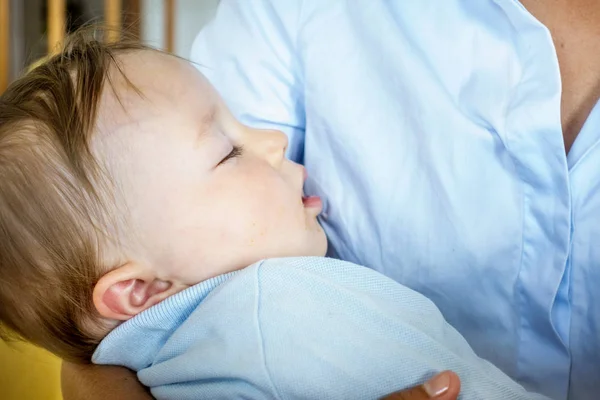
(125, 179)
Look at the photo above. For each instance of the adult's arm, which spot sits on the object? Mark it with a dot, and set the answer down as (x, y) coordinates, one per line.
(92, 382)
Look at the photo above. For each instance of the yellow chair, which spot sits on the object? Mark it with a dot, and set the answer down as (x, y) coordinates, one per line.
(28, 372)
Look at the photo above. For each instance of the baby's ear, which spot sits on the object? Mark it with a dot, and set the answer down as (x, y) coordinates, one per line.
(128, 290)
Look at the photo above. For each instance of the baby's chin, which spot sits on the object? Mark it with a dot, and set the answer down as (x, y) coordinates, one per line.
(313, 245)
(321, 242)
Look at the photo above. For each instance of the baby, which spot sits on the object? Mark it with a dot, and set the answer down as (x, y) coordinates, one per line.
(135, 211)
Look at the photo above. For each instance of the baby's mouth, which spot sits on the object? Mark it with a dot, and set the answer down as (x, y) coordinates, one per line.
(312, 202)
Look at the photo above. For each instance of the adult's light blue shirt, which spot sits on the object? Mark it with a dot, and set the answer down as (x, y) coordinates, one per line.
(432, 130)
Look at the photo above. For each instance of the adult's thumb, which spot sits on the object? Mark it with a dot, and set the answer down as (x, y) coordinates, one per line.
(444, 386)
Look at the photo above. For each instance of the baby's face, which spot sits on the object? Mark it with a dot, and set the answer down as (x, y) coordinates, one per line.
(204, 194)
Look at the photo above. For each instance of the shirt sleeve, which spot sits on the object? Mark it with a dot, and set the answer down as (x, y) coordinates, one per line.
(248, 52)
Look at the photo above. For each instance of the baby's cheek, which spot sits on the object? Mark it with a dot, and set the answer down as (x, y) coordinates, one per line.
(270, 206)
(268, 226)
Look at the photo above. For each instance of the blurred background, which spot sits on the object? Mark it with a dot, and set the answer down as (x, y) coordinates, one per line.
(29, 30)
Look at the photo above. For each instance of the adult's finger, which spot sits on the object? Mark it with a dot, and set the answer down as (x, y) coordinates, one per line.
(444, 386)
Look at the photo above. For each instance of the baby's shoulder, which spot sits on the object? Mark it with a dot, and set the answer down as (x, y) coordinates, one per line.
(316, 267)
(322, 274)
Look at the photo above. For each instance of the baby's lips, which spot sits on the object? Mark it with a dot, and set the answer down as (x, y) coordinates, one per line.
(312, 201)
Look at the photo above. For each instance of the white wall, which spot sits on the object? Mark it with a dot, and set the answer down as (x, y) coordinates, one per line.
(190, 17)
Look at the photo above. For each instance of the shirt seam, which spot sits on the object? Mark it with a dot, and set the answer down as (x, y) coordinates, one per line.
(261, 340)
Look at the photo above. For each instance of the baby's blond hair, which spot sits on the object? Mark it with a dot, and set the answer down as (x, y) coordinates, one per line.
(52, 209)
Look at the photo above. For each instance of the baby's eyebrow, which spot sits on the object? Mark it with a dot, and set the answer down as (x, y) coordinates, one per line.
(206, 122)
(208, 118)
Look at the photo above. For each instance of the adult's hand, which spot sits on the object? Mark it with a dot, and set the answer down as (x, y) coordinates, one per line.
(95, 382)
(91, 382)
(444, 386)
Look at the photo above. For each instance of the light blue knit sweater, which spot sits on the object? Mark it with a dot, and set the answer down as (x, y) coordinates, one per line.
(297, 328)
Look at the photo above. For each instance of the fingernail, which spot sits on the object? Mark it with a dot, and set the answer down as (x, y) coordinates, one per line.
(438, 385)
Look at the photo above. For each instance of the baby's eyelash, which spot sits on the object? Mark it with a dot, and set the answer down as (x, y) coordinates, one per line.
(236, 151)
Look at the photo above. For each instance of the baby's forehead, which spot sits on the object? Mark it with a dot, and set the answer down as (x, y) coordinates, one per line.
(149, 84)
(153, 73)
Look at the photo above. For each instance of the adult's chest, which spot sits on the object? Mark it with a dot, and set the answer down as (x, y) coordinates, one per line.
(436, 142)
(575, 29)
(414, 138)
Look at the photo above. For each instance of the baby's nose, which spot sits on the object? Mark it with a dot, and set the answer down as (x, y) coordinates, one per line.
(272, 145)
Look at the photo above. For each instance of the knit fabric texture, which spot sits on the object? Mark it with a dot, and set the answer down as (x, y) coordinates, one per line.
(298, 328)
